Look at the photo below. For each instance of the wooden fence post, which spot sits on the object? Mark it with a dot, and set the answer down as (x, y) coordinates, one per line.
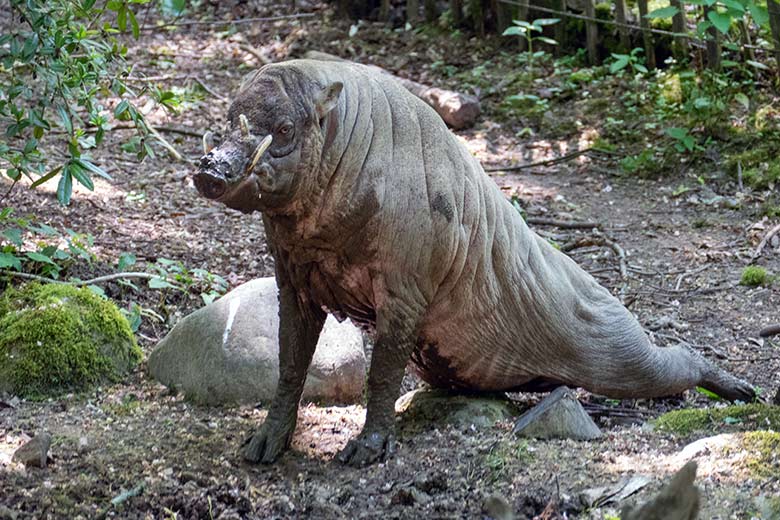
(679, 26)
(620, 18)
(412, 11)
(713, 44)
(591, 33)
(560, 27)
(430, 10)
(774, 23)
(456, 8)
(647, 37)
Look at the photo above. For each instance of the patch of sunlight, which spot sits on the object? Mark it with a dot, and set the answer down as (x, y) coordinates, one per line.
(721, 457)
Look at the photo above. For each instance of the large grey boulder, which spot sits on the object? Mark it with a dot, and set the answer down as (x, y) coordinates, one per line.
(227, 352)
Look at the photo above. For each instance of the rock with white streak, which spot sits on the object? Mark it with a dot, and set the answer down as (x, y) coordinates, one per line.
(227, 353)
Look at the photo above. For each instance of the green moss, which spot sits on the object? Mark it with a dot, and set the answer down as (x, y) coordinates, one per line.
(764, 453)
(759, 164)
(55, 338)
(753, 276)
(685, 422)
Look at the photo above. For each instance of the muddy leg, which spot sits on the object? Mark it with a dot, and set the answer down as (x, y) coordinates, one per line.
(299, 328)
(395, 341)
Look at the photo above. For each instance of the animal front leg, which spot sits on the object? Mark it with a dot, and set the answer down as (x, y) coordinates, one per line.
(299, 329)
(396, 339)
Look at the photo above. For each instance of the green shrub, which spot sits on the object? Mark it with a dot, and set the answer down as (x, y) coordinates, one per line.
(754, 276)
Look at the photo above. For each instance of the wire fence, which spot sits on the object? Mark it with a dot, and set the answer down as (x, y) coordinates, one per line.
(692, 39)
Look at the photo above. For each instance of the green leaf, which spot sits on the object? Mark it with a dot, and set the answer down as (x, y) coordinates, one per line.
(9, 260)
(677, 133)
(46, 177)
(97, 290)
(65, 187)
(759, 14)
(13, 235)
(134, 24)
(121, 18)
(733, 5)
(125, 261)
(546, 21)
(82, 176)
(67, 124)
(664, 12)
(641, 68)
(757, 64)
(546, 40)
(84, 163)
(39, 257)
(121, 108)
(514, 30)
(173, 7)
(160, 283)
(743, 100)
(708, 393)
(722, 22)
(619, 64)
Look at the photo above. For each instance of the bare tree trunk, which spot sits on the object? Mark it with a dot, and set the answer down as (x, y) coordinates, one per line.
(412, 11)
(647, 37)
(522, 14)
(503, 14)
(620, 18)
(560, 27)
(478, 17)
(679, 26)
(430, 10)
(744, 36)
(713, 45)
(774, 23)
(591, 33)
(456, 8)
(384, 11)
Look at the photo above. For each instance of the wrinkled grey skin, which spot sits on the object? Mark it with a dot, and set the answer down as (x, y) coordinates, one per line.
(374, 211)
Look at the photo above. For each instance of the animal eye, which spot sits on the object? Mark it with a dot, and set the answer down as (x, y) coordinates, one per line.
(285, 129)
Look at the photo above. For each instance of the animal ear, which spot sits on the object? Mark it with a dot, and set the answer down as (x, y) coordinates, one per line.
(247, 80)
(327, 98)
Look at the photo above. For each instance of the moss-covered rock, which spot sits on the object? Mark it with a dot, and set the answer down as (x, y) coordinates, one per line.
(764, 453)
(428, 406)
(685, 422)
(56, 338)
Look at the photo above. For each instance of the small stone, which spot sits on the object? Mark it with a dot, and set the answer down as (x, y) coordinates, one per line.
(497, 507)
(558, 416)
(35, 452)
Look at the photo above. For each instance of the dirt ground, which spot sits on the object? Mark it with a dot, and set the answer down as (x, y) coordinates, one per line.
(133, 450)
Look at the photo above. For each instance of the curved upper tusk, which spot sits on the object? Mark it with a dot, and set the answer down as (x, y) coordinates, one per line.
(244, 122)
(261, 148)
(208, 142)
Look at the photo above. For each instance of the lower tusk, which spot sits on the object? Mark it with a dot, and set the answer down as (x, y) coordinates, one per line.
(244, 123)
(261, 148)
(208, 142)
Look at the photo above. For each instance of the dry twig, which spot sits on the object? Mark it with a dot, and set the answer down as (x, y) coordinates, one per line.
(764, 242)
(563, 224)
(547, 162)
(604, 242)
(259, 56)
(93, 281)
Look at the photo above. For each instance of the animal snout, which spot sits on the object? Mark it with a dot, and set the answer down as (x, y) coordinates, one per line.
(210, 185)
